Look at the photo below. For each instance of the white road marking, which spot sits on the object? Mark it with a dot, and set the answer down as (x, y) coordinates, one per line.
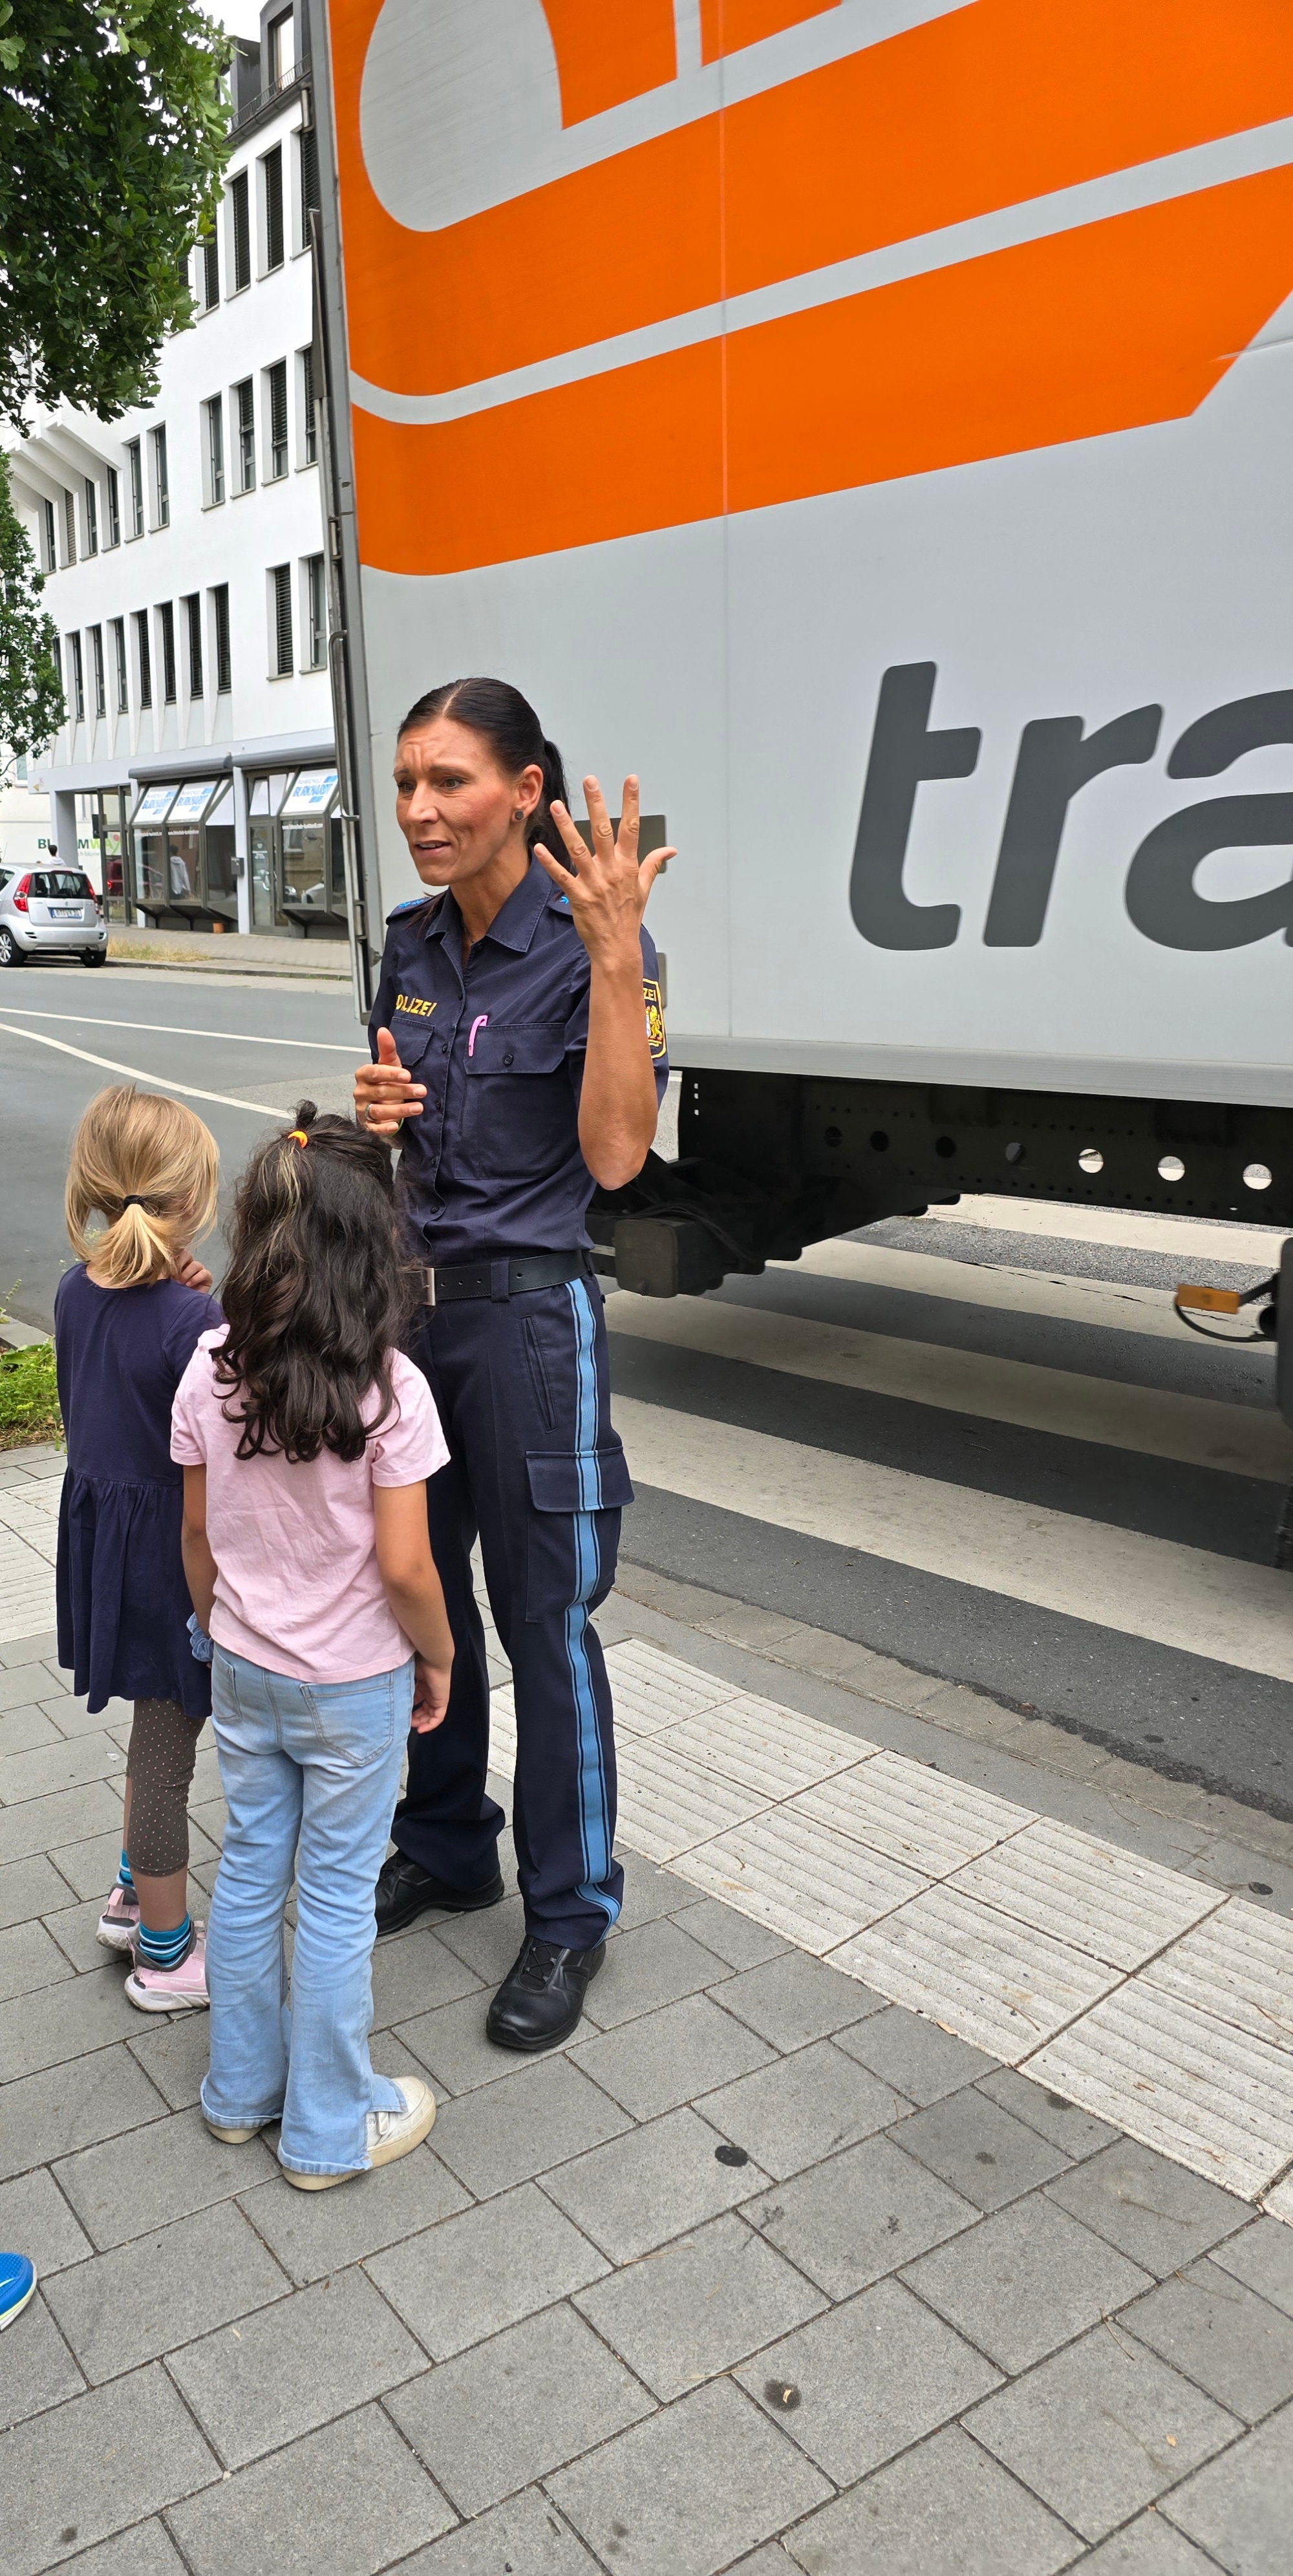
(1107, 1304)
(1182, 1597)
(1195, 1430)
(134, 1073)
(1199, 1238)
(164, 1029)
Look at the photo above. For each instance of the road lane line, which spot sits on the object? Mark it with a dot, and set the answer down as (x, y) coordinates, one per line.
(164, 1029)
(1195, 1430)
(1199, 1238)
(133, 1073)
(1182, 1597)
(1112, 1305)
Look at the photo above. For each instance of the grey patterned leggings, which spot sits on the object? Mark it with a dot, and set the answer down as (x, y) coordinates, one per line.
(159, 1767)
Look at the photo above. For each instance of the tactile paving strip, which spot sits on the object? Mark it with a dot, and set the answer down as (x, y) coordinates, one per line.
(1088, 1894)
(652, 1690)
(799, 1878)
(1238, 1967)
(997, 1983)
(1207, 2095)
(766, 1748)
(916, 1815)
(667, 1804)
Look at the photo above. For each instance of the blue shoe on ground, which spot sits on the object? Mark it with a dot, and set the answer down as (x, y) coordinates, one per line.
(17, 2284)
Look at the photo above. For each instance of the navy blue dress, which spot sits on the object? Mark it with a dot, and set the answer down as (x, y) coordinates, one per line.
(123, 1602)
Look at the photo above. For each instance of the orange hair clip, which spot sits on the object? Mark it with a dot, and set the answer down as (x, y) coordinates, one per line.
(297, 1136)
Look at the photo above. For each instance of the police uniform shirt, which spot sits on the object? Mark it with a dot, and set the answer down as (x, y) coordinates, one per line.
(493, 1164)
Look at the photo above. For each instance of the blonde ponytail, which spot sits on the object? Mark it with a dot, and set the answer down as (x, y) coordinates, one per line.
(150, 1168)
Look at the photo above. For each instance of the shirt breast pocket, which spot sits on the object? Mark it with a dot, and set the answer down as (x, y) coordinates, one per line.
(520, 1116)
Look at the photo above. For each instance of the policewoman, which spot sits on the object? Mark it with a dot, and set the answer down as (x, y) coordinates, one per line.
(519, 1053)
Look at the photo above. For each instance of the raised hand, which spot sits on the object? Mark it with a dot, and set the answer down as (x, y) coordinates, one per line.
(608, 891)
(385, 1094)
(192, 1273)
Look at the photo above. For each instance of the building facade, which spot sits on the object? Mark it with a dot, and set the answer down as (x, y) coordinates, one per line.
(184, 551)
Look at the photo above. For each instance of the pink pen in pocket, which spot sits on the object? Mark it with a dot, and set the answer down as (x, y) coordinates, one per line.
(480, 1023)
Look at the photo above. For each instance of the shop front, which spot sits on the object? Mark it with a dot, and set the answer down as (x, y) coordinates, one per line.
(298, 875)
(180, 866)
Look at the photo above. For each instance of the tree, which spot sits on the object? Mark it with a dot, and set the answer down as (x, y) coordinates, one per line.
(31, 693)
(114, 123)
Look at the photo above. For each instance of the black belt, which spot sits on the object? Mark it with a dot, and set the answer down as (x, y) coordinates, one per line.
(503, 1278)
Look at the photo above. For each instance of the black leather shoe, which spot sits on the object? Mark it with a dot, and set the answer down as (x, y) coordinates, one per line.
(405, 1890)
(541, 1998)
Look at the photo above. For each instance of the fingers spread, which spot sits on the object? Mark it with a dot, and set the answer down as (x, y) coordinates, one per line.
(571, 838)
(603, 837)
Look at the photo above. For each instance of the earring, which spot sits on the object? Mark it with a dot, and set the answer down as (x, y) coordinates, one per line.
(518, 815)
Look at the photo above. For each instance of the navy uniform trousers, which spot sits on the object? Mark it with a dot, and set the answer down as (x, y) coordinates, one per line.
(535, 1468)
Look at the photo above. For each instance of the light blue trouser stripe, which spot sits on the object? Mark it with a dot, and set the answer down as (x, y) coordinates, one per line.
(594, 1818)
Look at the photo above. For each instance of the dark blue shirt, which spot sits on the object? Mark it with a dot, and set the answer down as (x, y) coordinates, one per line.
(493, 1164)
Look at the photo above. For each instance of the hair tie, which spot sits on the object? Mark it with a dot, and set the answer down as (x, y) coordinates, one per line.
(297, 1136)
(134, 1198)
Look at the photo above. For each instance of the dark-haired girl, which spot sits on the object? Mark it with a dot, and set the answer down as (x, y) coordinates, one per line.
(306, 1439)
(519, 1045)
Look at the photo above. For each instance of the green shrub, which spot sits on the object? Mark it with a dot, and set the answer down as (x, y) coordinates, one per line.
(28, 1396)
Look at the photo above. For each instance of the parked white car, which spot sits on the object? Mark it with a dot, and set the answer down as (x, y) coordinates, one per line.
(50, 912)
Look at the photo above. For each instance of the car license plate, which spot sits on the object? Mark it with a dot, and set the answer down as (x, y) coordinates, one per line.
(65, 912)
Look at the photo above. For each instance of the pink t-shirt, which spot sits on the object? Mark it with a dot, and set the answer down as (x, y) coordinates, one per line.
(298, 1588)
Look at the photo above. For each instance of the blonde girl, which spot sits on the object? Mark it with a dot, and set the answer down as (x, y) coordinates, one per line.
(127, 1318)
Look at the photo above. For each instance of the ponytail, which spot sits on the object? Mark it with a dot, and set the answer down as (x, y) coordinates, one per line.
(507, 722)
(150, 1169)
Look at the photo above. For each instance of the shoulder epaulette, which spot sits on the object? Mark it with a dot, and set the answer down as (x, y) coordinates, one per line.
(415, 904)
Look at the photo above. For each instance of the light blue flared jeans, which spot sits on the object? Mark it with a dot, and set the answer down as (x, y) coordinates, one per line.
(311, 1773)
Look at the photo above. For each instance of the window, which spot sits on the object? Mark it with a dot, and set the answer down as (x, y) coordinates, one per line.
(242, 395)
(308, 174)
(280, 598)
(276, 408)
(209, 269)
(91, 515)
(51, 541)
(214, 443)
(58, 664)
(69, 529)
(272, 167)
(224, 666)
(161, 479)
(114, 506)
(282, 50)
(309, 414)
(144, 652)
(78, 679)
(241, 214)
(97, 673)
(136, 464)
(316, 613)
(192, 607)
(167, 616)
(119, 665)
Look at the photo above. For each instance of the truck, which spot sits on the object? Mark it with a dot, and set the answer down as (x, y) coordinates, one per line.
(870, 422)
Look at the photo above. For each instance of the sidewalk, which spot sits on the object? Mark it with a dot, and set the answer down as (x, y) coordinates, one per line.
(246, 952)
(763, 2271)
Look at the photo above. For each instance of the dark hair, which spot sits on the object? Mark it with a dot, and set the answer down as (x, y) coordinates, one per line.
(508, 723)
(316, 1294)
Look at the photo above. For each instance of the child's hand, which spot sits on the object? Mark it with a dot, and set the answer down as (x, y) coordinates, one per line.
(430, 1694)
(191, 1274)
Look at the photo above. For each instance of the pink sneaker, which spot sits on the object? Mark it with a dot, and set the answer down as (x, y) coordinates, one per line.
(166, 1990)
(119, 1919)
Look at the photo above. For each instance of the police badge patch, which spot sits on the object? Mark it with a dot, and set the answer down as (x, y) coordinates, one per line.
(655, 1022)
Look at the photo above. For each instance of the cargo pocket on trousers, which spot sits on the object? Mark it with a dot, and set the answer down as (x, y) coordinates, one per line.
(576, 1497)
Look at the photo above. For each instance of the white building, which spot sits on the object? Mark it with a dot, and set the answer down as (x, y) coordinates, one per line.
(184, 546)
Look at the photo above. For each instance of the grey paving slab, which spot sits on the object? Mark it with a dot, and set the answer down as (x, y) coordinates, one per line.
(165, 2289)
(211, 1819)
(451, 2045)
(803, 2107)
(21, 1685)
(29, 1959)
(47, 2116)
(1053, 2116)
(90, 1864)
(35, 2217)
(81, 2014)
(771, 2560)
(66, 1764)
(71, 1717)
(1150, 2546)
(96, 2465)
(1222, 2335)
(690, 2488)
(1262, 2255)
(1155, 2211)
(1026, 2280)
(508, 2412)
(981, 2149)
(650, 1891)
(793, 1999)
(473, 2275)
(703, 2303)
(651, 2185)
(31, 1887)
(947, 2509)
(1101, 2430)
(920, 2060)
(858, 2216)
(733, 1936)
(175, 2053)
(314, 2233)
(341, 2502)
(413, 1974)
(75, 1929)
(293, 2366)
(145, 2550)
(36, 2369)
(46, 1824)
(28, 1650)
(173, 2168)
(527, 2533)
(668, 2057)
(1241, 2508)
(488, 1942)
(517, 2128)
(867, 2380)
(649, 1965)
(22, 1729)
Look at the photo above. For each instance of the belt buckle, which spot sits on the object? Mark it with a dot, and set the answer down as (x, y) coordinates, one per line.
(429, 1278)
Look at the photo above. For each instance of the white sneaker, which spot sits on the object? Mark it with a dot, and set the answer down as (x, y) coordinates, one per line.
(169, 1990)
(390, 2133)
